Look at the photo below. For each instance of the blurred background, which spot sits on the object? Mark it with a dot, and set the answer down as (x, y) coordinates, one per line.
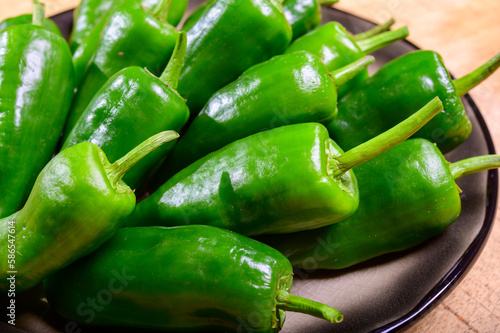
(465, 33)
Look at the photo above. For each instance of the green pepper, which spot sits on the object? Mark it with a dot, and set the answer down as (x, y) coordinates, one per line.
(407, 196)
(131, 37)
(90, 13)
(256, 101)
(75, 206)
(399, 87)
(222, 45)
(130, 107)
(304, 15)
(187, 278)
(36, 87)
(283, 180)
(337, 47)
(27, 19)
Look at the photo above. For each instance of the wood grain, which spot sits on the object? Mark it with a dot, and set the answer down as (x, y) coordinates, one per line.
(465, 33)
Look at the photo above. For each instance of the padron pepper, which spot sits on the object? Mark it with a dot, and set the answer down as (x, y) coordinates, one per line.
(187, 278)
(399, 87)
(90, 13)
(407, 196)
(226, 38)
(337, 47)
(304, 15)
(131, 37)
(27, 19)
(36, 87)
(130, 107)
(75, 206)
(287, 179)
(287, 89)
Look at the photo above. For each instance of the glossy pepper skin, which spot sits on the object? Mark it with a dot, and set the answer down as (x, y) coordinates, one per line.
(131, 37)
(132, 106)
(74, 207)
(36, 87)
(256, 101)
(407, 195)
(271, 182)
(187, 278)
(27, 19)
(304, 15)
(337, 47)
(210, 64)
(399, 87)
(89, 13)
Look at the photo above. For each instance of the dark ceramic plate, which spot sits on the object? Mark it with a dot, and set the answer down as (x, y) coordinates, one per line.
(389, 293)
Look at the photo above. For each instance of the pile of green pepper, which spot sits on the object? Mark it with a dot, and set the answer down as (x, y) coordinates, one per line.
(284, 136)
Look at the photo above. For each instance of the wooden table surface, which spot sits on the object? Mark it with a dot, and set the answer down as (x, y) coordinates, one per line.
(465, 33)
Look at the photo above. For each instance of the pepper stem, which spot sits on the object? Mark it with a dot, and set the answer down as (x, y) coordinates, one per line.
(117, 170)
(473, 165)
(342, 75)
(170, 75)
(375, 30)
(289, 302)
(385, 141)
(379, 41)
(38, 13)
(464, 84)
(161, 10)
(328, 3)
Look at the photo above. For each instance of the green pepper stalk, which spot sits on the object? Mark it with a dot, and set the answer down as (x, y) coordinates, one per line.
(263, 34)
(287, 89)
(130, 107)
(210, 279)
(131, 37)
(284, 180)
(27, 19)
(91, 13)
(391, 217)
(400, 86)
(34, 103)
(75, 206)
(335, 45)
(383, 27)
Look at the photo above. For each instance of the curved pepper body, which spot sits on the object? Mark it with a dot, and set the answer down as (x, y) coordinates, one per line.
(36, 87)
(407, 195)
(185, 278)
(28, 19)
(288, 89)
(71, 211)
(131, 37)
(303, 15)
(132, 106)
(335, 46)
(271, 182)
(221, 45)
(393, 93)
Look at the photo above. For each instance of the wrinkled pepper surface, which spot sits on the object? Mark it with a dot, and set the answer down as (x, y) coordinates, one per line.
(255, 102)
(407, 195)
(36, 87)
(75, 206)
(337, 47)
(187, 278)
(283, 180)
(27, 19)
(222, 45)
(401, 86)
(304, 15)
(131, 37)
(129, 108)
